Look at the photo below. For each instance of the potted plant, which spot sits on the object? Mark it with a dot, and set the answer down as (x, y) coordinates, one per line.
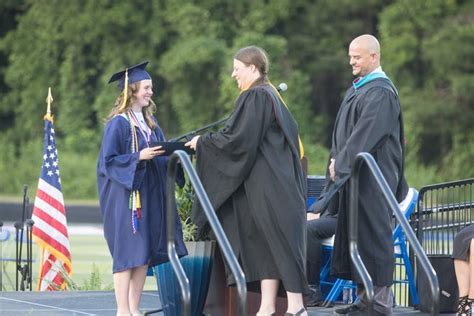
(197, 264)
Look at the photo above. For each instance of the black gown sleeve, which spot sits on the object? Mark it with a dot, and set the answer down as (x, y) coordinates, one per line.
(378, 114)
(225, 158)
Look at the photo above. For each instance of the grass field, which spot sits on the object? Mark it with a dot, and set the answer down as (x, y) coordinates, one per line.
(89, 254)
(92, 264)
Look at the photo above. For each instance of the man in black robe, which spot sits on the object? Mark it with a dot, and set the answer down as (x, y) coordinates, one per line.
(369, 120)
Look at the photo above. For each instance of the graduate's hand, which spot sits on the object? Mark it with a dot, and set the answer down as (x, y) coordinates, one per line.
(151, 152)
(311, 216)
(193, 142)
(332, 170)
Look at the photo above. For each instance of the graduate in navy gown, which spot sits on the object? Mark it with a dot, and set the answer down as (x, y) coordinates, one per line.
(131, 178)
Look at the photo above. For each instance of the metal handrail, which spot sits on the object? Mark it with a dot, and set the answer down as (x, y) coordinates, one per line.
(444, 207)
(367, 158)
(222, 240)
(425, 229)
(456, 183)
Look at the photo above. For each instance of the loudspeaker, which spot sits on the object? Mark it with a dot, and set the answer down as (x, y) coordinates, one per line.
(448, 296)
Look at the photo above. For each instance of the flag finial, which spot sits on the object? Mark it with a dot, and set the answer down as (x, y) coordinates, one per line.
(49, 100)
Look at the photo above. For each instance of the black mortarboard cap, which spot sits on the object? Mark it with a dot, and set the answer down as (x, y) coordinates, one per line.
(135, 73)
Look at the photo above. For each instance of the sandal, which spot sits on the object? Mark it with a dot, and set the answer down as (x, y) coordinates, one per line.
(464, 306)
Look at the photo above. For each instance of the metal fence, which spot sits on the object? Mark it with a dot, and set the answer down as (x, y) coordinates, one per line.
(443, 210)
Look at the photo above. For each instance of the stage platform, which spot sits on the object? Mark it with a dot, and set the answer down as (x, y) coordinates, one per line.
(102, 303)
(68, 303)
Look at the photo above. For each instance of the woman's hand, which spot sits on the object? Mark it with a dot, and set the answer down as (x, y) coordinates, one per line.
(312, 216)
(332, 170)
(193, 142)
(151, 152)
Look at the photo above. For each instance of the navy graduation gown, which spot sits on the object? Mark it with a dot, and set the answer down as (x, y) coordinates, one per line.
(118, 172)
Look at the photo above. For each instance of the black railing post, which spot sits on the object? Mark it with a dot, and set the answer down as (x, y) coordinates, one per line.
(353, 237)
(366, 158)
(222, 240)
(171, 233)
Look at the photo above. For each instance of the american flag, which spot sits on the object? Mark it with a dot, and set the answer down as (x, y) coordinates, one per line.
(49, 215)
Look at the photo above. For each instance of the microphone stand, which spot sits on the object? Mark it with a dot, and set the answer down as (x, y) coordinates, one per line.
(24, 270)
(188, 136)
(28, 274)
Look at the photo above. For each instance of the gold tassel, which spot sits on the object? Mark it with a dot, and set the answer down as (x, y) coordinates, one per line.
(139, 203)
(125, 92)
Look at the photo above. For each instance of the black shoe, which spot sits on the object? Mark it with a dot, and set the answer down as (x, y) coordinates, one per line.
(350, 310)
(300, 312)
(315, 298)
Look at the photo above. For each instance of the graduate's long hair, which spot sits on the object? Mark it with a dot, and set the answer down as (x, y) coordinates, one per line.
(131, 96)
(254, 55)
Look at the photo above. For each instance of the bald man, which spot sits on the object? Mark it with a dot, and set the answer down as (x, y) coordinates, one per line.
(369, 120)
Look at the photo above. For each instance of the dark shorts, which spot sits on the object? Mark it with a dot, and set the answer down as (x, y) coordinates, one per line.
(462, 243)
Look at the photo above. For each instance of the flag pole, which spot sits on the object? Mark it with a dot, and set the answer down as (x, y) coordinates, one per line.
(48, 116)
(49, 204)
(40, 278)
(49, 100)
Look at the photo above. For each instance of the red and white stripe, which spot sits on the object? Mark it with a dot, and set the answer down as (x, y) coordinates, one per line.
(50, 231)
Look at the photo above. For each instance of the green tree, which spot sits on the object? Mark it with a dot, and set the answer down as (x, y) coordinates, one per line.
(74, 47)
(427, 47)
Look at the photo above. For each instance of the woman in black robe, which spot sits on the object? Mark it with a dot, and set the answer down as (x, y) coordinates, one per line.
(252, 172)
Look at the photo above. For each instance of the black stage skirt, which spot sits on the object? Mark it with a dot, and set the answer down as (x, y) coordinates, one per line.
(462, 243)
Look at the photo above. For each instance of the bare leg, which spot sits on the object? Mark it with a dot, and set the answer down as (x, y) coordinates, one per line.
(465, 278)
(463, 274)
(137, 280)
(121, 288)
(295, 303)
(269, 290)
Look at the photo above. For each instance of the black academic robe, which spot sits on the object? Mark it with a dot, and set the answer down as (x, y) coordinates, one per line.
(252, 173)
(369, 120)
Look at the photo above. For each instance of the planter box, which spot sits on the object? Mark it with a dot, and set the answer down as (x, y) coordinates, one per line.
(197, 266)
